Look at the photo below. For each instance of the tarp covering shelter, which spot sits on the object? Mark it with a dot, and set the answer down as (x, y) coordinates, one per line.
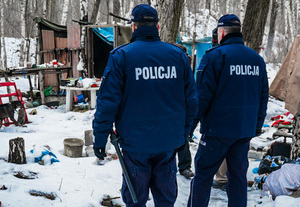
(201, 46)
(103, 40)
(52, 45)
(286, 84)
(106, 34)
(45, 24)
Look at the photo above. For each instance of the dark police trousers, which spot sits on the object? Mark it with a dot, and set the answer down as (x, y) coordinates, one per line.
(210, 155)
(154, 171)
(184, 157)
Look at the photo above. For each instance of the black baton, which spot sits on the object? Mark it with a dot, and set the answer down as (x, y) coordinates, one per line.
(115, 141)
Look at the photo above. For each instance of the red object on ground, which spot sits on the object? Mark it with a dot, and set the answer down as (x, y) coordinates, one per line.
(276, 123)
(276, 117)
(17, 94)
(286, 123)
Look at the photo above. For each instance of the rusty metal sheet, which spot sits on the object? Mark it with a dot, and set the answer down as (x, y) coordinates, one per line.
(62, 55)
(48, 44)
(74, 36)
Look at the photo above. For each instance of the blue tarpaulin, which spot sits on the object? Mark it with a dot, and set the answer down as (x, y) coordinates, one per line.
(201, 46)
(106, 34)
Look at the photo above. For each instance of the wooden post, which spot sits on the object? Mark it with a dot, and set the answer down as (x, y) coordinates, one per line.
(8, 88)
(16, 151)
(30, 87)
(41, 82)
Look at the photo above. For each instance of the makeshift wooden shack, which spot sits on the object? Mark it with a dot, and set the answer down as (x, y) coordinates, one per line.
(100, 40)
(52, 47)
(63, 43)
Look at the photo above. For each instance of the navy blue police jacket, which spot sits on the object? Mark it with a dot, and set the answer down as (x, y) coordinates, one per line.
(148, 90)
(233, 91)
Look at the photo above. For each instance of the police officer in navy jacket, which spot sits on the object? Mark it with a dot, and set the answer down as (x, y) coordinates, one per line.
(148, 91)
(232, 86)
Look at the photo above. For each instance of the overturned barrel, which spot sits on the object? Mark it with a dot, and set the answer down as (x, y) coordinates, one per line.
(73, 147)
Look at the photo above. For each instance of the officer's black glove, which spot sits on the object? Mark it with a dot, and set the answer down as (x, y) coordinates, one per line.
(258, 132)
(100, 152)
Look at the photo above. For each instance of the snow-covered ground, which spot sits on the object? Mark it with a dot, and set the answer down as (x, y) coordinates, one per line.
(79, 181)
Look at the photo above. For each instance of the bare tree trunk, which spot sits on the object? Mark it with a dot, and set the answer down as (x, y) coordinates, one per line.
(23, 10)
(169, 15)
(298, 16)
(17, 151)
(207, 4)
(48, 9)
(295, 148)
(83, 18)
(108, 8)
(95, 11)
(4, 58)
(182, 24)
(242, 11)
(116, 10)
(272, 28)
(254, 23)
(65, 12)
(193, 50)
(53, 14)
(44, 11)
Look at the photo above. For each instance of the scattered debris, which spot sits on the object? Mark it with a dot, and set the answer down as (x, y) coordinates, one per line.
(33, 112)
(26, 175)
(43, 155)
(50, 196)
(3, 187)
(108, 158)
(296, 194)
(108, 201)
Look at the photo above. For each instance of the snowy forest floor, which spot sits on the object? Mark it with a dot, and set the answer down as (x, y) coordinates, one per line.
(79, 181)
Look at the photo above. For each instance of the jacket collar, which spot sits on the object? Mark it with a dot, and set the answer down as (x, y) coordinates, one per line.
(232, 38)
(145, 33)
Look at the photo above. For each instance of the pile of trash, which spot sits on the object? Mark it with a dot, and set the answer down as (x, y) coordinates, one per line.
(278, 174)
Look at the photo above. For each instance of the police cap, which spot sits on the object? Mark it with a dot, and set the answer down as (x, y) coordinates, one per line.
(229, 20)
(143, 13)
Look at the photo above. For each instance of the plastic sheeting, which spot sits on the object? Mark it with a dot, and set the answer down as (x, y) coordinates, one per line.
(284, 181)
(286, 84)
(106, 34)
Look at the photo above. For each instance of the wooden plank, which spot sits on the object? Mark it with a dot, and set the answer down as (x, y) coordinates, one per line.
(74, 43)
(41, 82)
(30, 87)
(49, 44)
(74, 36)
(90, 53)
(62, 55)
